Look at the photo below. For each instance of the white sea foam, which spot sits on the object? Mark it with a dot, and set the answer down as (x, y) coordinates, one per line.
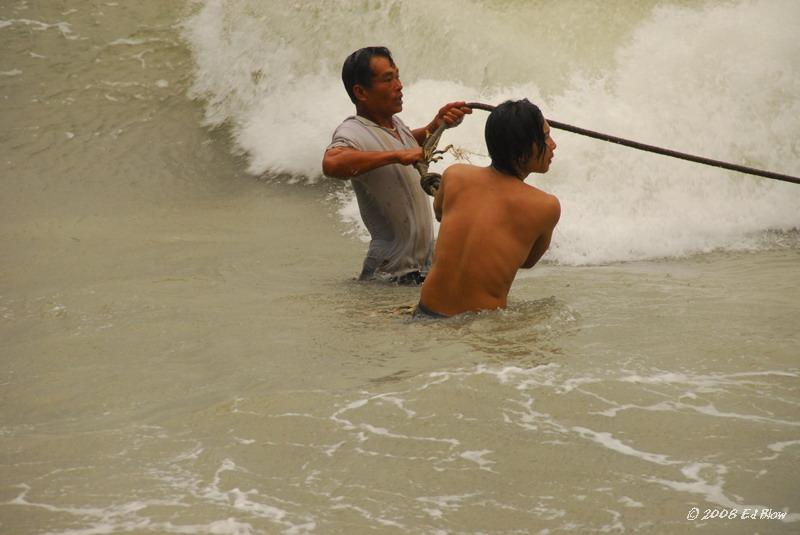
(712, 491)
(64, 27)
(608, 441)
(366, 430)
(630, 502)
(400, 404)
(710, 410)
(703, 479)
(128, 516)
(727, 86)
(136, 42)
(778, 448)
(477, 458)
(452, 502)
(705, 383)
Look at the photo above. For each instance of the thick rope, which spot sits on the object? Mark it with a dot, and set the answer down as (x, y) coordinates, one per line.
(657, 150)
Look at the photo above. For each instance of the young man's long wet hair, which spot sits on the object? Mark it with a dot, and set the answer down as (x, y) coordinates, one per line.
(356, 69)
(511, 130)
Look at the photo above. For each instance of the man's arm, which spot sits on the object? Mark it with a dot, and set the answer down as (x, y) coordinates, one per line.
(452, 114)
(539, 248)
(345, 162)
(552, 214)
(438, 200)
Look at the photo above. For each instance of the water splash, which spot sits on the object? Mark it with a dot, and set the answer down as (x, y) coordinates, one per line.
(727, 87)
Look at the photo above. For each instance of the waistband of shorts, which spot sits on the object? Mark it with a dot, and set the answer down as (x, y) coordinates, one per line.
(412, 278)
(424, 312)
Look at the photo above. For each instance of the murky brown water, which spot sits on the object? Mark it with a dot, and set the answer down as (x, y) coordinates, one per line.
(184, 349)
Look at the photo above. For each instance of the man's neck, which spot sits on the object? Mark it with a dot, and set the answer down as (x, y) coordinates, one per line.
(498, 171)
(385, 122)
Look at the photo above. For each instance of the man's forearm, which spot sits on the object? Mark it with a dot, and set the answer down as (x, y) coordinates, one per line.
(422, 133)
(345, 164)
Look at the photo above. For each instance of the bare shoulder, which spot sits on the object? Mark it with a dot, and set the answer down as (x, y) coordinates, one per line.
(544, 204)
(554, 207)
(460, 169)
(460, 175)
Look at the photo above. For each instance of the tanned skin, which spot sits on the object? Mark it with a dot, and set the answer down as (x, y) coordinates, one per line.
(378, 104)
(492, 225)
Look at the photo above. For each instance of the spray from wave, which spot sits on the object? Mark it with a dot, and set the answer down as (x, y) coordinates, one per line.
(717, 80)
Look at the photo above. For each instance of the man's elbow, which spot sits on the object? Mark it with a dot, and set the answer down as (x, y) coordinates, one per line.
(331, 169)
(328, 169)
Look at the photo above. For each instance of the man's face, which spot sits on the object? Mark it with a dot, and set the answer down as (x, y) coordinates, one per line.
(385, 97)
(540, 163)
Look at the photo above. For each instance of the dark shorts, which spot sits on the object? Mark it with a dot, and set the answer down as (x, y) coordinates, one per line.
(412, 278)
(424, 312)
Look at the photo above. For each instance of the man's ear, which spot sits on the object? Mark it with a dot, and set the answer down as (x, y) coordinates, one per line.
(360, 92)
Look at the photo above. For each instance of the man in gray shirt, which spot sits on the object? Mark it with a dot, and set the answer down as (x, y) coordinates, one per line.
(375, 150)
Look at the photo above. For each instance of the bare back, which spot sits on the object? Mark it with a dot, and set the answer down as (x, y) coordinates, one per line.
(492, 224)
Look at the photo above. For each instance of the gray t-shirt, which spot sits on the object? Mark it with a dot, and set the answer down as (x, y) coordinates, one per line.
(393, 206)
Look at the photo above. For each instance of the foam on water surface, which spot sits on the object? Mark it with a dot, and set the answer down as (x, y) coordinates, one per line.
(301, 479)
(203, 364)
(716, 80)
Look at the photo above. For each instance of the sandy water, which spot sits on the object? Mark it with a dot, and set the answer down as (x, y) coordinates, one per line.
(184, 349)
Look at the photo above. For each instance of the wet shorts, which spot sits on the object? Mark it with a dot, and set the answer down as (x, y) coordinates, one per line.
(412, 278)
(424, 312)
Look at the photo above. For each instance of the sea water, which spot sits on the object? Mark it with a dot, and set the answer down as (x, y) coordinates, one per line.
(184, 347)
(718, 79)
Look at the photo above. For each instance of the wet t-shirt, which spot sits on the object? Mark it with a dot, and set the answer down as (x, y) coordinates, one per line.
(393, 206)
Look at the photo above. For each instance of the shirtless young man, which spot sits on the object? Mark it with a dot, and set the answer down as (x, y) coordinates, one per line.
(493, 223)
(374, 150)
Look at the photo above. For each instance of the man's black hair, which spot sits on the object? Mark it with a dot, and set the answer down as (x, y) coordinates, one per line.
(356, 69)
(511, 130)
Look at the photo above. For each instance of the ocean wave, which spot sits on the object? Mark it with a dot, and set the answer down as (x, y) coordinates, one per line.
(721, 81)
